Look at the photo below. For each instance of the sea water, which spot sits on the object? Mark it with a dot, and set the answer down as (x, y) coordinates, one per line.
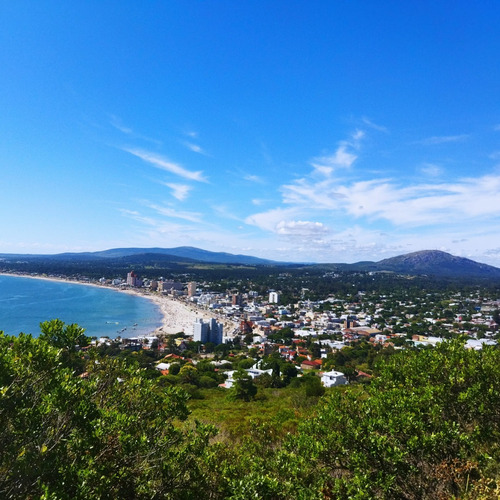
(26, 302)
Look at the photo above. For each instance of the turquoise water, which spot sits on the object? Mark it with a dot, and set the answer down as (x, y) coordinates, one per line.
(26, 302)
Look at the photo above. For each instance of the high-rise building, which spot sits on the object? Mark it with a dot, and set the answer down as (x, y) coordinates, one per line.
(133, 279)
(200, 331)
(191, 286)
(208, 332)
(274, 297)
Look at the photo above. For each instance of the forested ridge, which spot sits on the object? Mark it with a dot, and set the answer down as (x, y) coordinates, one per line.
(94, 426)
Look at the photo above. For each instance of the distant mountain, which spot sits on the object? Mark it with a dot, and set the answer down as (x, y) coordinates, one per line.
(184, 253)
(436, 263)
(425, 262)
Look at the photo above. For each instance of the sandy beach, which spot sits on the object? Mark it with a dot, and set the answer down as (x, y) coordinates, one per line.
(177, 316)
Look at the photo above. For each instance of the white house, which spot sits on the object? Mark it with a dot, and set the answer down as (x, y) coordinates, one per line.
(253, 372)
(330, 379)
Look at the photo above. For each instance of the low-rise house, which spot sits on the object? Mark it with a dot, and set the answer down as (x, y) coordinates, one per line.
(253, 372)
(333, 378)
(311, 365)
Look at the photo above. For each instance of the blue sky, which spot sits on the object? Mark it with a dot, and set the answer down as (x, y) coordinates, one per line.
(327, 131)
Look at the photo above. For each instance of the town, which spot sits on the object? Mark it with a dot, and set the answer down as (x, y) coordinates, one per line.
(337, 337)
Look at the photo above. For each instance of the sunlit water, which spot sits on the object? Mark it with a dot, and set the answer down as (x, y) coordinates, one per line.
(26, 302)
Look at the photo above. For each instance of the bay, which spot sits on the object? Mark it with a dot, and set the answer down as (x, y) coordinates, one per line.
(26, 302)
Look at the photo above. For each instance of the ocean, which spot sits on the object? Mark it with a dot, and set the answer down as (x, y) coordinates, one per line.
(26, 302)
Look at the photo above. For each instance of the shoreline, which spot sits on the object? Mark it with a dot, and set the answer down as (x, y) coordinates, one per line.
(177, 316)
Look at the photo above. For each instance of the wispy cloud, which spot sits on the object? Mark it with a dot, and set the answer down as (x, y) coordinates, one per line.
(269, 220)
(431, 170)
(377, 199)
(373, 125)
(116, 123)
(225, 212)
(343, 157)
(195, 148)
(301, 228)
(417, 205)
(170, 212)
(254, 178)
(165, 164)
(327, 164)
(443, 139)
(426, 204)
(179, 191)
(358, 135)
(135, 215)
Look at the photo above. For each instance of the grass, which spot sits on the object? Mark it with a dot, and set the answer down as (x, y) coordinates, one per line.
(281, 408)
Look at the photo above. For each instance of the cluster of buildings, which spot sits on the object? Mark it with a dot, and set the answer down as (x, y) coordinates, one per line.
(210, 331)
(382, 319)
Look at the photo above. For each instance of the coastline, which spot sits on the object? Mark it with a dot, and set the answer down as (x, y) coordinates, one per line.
(177, 316)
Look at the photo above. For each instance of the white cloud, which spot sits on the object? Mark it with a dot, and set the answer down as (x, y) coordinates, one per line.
(431, 170)
(425, 204)
(179, 191)
(254, 178)
(301, 228)
(358, 135)
(270, 219)
(195, 148)
(322, 195)
(170, 212)
(341, 158)
(164, 164)
(225, 212)
(133, 214)
(116, 123)
(421, 204)
(374, 126)
(429, 141)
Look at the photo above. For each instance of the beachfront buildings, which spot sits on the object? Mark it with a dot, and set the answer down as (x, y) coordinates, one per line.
(133, 279)
(212, 331)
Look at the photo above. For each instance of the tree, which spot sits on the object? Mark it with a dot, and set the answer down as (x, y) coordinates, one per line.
(58, 334)
(174, 369)
(209, 347)
(313, 386)
(244, 387)
(288, 370)
(109, 434)
(189, 374)
(415, 432)
(315, 349)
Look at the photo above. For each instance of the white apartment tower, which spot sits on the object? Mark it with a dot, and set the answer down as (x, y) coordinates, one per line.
(208, 332)
(133, 279)
(191, 286)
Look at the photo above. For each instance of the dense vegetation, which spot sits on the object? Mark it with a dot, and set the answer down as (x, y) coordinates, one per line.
(96, 426)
